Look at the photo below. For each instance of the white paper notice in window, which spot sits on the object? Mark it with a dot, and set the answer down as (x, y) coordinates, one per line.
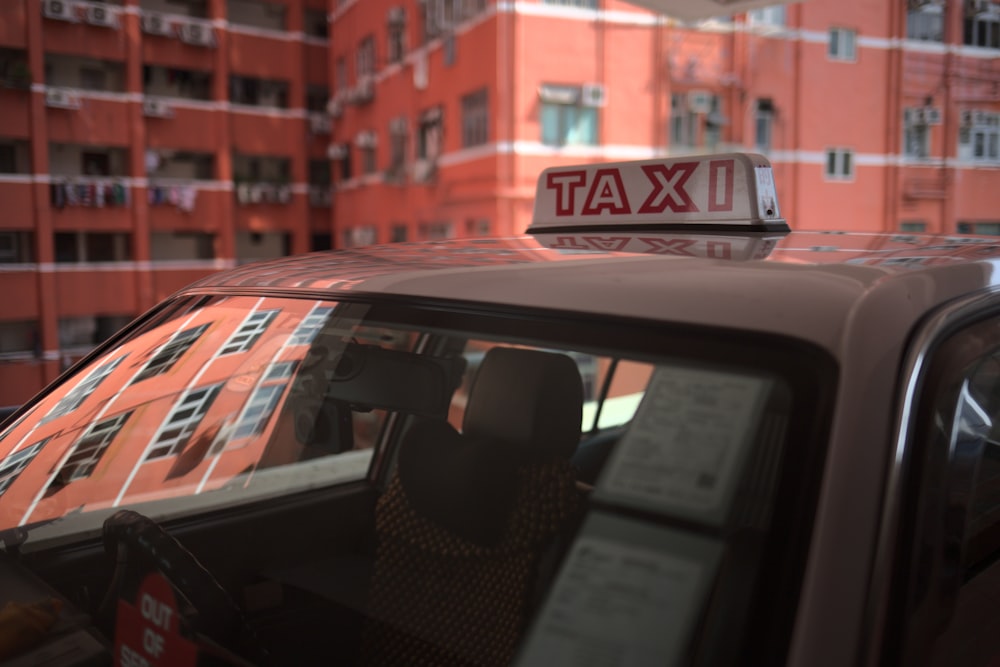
(627, 594)
(687, 442)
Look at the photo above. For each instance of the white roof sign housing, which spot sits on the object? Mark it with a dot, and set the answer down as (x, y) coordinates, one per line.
(713, 192)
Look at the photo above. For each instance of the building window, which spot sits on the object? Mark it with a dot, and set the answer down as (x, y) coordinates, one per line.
(364, 64)
(91, 247)
(839, 164)
(477, 227)
(250, 331)
(842, 44)
(436, 231)
(314, 23)
(925, 23)
(12, 466)
(913, 226)
(982, 29)
(399, 234)
(764, 125)
(356, 237)
(182, 421)
(475, 118)
(979, 136)
(397, 34)
(429, 135)
(983, 228)
(258, 92)
(696, 119)
(340, 72)
(173, 350)
(398, 141)
(767, 16)
(568, 117)
(89, 449)
(586, 4)
(916, 133)
(17, 247)
(317, 98)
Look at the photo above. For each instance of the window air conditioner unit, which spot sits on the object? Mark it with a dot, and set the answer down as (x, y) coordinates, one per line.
(364, 92)
(102, 16)
(61, 99)
(965, 117)
(699, 101)
(366, 140)
(397, 16)
(336, 151)
(320, 124)
(155, 24)
(335, 107)
(155, 108)
(197, 34)
(397, 126)
(423, 171)
(932, 115)
(58, 9)
(593, 95)
(911, 116)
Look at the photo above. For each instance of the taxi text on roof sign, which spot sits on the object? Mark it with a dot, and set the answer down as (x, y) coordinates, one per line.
(728, 190)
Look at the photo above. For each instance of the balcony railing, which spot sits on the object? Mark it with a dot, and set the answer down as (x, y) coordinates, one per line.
(86, 191)
(263, 193)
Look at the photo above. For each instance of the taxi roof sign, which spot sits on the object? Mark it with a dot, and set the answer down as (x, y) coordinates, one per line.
(719, 192)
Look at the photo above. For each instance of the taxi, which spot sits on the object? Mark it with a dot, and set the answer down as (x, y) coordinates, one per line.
(660, 428)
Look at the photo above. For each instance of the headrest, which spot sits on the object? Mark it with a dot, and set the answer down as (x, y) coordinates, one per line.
(527, 401)
(463, 485)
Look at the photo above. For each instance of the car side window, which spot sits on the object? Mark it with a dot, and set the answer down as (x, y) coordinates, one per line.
(954, 574)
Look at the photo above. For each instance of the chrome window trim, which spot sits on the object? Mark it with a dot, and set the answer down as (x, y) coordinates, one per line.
(936, 328)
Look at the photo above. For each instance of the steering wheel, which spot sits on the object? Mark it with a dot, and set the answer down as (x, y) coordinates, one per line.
(127, 533)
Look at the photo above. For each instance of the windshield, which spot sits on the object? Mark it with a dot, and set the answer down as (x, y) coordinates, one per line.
(672, 458)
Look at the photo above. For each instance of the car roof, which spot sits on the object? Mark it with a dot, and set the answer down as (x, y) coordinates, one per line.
(808, 285)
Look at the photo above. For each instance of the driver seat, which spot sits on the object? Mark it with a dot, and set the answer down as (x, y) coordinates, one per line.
(468, 517)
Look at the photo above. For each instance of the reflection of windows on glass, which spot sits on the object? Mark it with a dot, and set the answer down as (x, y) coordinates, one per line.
(310, 325)
(90, 448)
(914, 226)
(475, 118)
(400, 234)
(258, 410)
(982, 29)
(80, 392)
(764, 125)
(253, 326)
(12, 466)
(436, 231)
(842, 44)
(925, 22)
(568, 117)
(182, 421)
(839, 164)
(916, 132)
(168, 355)
(979, 136)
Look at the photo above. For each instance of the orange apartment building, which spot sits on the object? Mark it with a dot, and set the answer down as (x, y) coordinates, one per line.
(145, 143)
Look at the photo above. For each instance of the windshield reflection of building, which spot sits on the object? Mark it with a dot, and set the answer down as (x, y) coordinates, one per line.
(199, 392)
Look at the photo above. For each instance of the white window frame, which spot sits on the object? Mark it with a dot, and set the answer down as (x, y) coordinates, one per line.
(170, 352)
(89, 449)
(984, 131)
(258, 409)
(80, 392)
(842, 45)
(11, 467)
(841, 157)
(310, 325)
(253, 326)
(184, 417)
